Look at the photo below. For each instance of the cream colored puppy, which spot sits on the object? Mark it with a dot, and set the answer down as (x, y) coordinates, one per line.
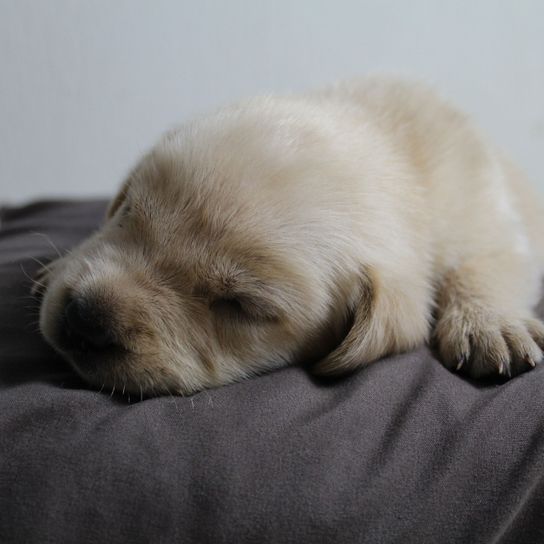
(338, 226)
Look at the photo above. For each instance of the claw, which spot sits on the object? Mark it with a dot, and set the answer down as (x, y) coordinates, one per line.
(529, 361)
(461, 362)
(504, 369)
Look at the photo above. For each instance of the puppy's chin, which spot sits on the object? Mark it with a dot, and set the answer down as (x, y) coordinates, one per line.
(117, 368)
(96, 366)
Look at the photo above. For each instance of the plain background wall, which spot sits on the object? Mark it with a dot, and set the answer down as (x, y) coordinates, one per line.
(88, 85)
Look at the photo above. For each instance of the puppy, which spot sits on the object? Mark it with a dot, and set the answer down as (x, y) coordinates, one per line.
(337, 226)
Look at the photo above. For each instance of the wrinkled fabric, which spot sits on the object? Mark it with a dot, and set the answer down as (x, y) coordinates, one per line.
(403, 451)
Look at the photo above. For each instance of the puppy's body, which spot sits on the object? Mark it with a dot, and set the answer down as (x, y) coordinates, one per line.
(335, 225)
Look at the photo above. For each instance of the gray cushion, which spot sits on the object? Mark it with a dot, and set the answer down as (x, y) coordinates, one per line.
(403, 451)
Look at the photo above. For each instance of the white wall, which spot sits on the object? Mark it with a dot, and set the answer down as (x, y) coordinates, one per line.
(87, 85)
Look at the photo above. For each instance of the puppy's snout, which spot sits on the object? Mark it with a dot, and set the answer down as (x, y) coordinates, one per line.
(87, 326)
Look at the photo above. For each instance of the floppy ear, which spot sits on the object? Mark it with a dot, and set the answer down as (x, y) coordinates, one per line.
(118, 200)
(385, 319)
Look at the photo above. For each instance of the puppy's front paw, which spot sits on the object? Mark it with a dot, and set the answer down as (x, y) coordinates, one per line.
(483, 343)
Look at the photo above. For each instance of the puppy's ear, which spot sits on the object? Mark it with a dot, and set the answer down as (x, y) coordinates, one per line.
(385, 319)
(118, 200)
(352, 351)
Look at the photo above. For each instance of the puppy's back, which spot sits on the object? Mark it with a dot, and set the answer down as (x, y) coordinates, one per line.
(469, 184)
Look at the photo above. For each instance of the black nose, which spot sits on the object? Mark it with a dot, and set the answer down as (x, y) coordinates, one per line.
(86, 325)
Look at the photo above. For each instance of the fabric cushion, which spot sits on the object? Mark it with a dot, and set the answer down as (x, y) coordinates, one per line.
(403, 451)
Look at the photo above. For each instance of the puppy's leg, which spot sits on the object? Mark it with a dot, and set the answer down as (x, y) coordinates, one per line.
(485, 325)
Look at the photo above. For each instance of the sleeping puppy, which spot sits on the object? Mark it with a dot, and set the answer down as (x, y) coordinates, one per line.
(337, 226)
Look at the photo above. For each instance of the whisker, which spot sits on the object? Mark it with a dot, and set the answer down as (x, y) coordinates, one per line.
(35, 326)
(174, 399)
(112, 391)
(32, 326)
(35, 318)
(31, 297)
(42, 264)
(33, 280)
(48, 238)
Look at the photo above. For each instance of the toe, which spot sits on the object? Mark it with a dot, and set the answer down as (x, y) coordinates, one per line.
(524, 351)
(489, 354)
(535, 328)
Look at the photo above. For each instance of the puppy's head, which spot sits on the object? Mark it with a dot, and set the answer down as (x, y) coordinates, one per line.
(220, 258)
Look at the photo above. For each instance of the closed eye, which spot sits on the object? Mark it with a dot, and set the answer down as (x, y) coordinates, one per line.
(229, 307)
(242, 308)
